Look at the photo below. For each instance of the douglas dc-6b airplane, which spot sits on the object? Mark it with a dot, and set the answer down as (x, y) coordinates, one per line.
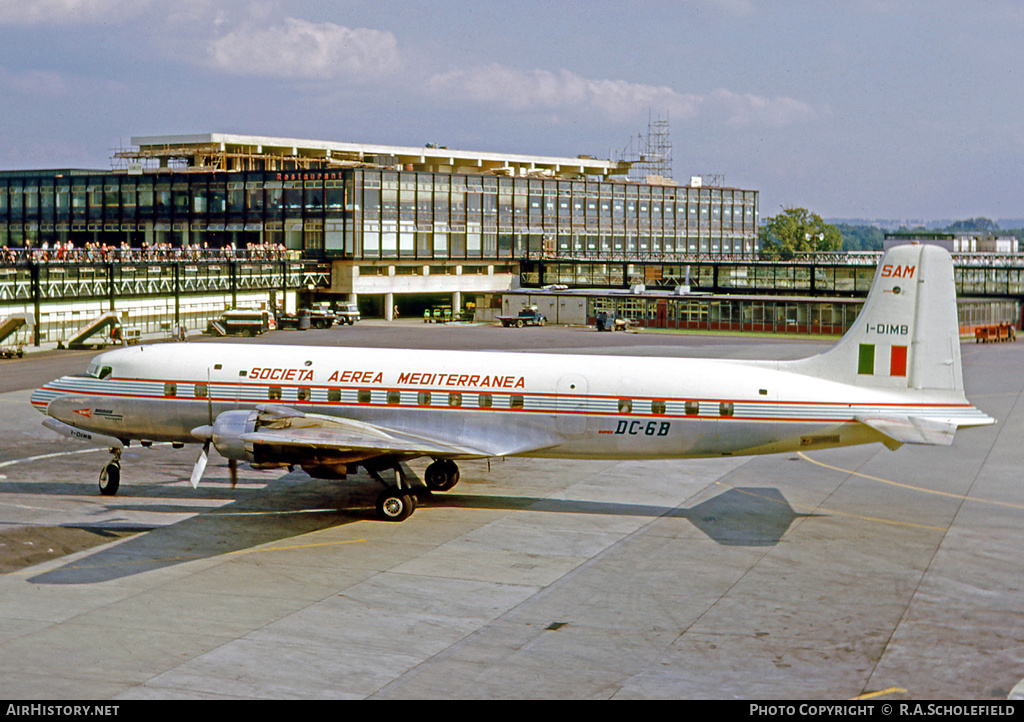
(895, 377)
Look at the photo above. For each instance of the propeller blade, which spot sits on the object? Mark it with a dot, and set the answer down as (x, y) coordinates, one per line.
(233, 469)
(200, 467)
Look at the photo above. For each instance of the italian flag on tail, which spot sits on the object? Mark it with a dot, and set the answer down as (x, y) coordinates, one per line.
(897, 360)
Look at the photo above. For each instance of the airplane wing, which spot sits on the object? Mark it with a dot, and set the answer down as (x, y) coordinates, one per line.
(911, 430)
(284, 426)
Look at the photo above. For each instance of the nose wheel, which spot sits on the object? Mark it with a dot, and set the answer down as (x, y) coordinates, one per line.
(110, 477)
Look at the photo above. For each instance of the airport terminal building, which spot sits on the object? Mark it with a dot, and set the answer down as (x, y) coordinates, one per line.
(225, 220)
(392, 221)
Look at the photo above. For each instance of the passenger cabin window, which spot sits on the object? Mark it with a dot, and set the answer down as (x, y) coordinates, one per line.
(201, 391)
(625, 406)
(364, 396)
(394, 397)
(484, 401)
(170, 389)
(274, 393)
(725, 408)
(692, 408)
(423, 398)
(515, 402)
(658, 407)
(455, 399)
(302, 393)
(334, 395)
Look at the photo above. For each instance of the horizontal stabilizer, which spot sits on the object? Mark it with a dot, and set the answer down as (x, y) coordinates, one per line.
(911, 429)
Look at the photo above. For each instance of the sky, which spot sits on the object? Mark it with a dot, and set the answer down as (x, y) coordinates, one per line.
(887, 109)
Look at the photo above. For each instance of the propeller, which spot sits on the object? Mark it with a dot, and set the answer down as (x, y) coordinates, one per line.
(200, 467)
(206, 434)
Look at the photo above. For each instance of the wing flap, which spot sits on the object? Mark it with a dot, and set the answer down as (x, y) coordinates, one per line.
(341, 439)
(285, 426)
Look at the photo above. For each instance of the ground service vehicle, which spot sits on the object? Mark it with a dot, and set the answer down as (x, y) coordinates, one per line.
(608, 321)
(527, 317)
(347, 313)
(240, 321)
(320, 316)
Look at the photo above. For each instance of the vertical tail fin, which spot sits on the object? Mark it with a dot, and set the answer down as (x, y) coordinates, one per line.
(907, 335)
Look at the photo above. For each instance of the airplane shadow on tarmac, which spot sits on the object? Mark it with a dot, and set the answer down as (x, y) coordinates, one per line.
(295, 505)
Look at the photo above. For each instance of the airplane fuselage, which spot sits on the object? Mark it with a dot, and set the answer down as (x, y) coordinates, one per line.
(552, 405)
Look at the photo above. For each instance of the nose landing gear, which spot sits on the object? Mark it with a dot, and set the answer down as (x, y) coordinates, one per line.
(110, 477)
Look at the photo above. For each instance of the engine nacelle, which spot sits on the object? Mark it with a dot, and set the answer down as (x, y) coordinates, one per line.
(228, 428)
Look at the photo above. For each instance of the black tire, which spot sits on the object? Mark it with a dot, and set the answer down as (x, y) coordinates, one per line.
(441, 475)
(394, 505)
(110, 479)
(519, 324)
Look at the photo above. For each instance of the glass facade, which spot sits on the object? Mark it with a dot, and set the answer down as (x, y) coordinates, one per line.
(171, 209)
(379, 214)
(781, 315)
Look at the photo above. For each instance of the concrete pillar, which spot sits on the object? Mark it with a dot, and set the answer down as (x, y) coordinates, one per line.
(389, 307)
(456, 304)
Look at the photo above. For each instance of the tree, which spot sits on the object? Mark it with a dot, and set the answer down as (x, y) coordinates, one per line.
(797, 230)
(861, 238)
(984, 225)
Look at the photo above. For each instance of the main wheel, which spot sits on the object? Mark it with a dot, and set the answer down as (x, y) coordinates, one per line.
(519, 324)
(393, 505)
(442, 475)
(110, 479)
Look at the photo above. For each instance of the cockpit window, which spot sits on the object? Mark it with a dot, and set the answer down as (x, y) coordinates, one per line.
(99, 372)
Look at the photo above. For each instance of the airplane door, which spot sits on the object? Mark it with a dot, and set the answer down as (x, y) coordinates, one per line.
(571, 404)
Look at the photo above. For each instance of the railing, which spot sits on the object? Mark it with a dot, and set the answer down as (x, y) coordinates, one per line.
(92, 253)
(154, 287)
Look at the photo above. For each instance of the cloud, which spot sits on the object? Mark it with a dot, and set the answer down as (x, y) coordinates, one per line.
(301, 49)
(41, 83)
(64, 12)
(542, 90)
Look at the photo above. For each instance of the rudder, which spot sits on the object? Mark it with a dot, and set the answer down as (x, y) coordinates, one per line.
(907, 334)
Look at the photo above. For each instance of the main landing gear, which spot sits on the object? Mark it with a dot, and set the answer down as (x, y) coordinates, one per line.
(399, 500)
(442, 475)
(110, 477)
(396, 503)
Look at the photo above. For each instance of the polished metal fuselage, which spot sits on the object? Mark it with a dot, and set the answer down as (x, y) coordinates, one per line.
(500, 403)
